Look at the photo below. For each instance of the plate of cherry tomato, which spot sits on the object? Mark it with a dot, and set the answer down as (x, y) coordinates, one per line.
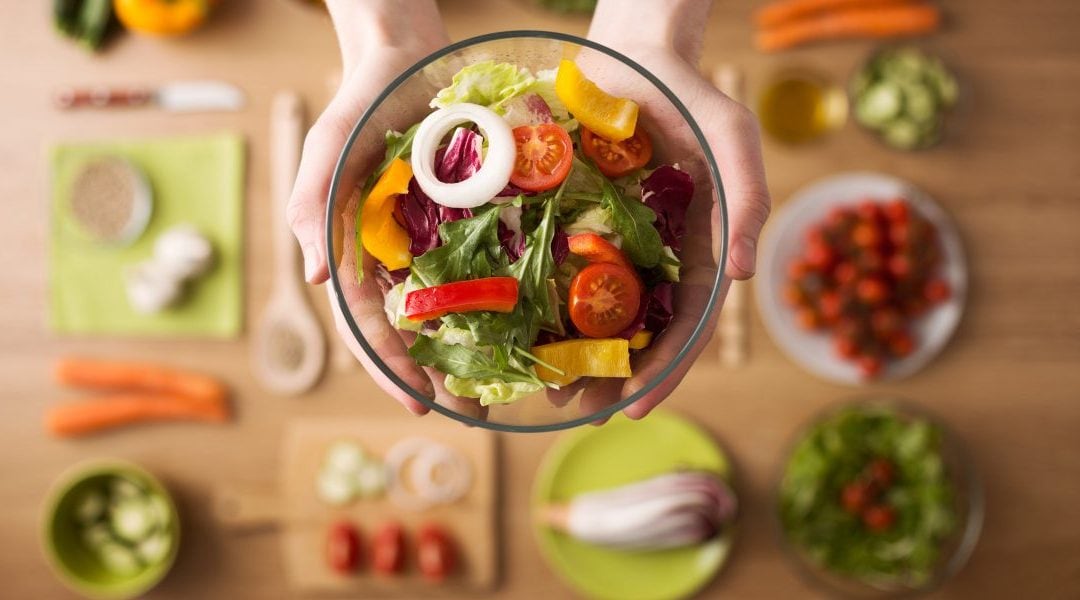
(863, 278)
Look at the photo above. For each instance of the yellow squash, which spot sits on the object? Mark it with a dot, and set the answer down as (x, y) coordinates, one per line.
(583, 358)
(603, 114)
(381, 235)
(162, 17)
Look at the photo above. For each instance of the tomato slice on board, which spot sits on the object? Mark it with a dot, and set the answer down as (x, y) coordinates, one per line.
(616, 159)
(544, 155)
(435, 553)
(596, 249)
(343, 547)
(388, 549)
(604, 299)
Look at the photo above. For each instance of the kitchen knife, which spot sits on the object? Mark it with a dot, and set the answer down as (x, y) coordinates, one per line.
(182, 96)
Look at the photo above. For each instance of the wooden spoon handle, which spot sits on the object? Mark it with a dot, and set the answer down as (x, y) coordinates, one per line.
(286, 139)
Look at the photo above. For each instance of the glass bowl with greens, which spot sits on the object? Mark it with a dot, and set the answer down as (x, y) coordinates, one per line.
(877, 499)
(530, 224)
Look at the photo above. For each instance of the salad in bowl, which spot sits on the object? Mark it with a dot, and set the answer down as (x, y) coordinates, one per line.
(522, 231)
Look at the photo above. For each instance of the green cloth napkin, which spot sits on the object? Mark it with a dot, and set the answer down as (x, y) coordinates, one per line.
(195, 180)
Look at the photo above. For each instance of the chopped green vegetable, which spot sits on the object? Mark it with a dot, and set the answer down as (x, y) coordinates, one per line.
(90, 507)
(834, 453)
(131, 519)
(493, 85)
(903, 94)
(491, 391)
(88, 22)
(463, 241)
(119, 559)
(155, 548)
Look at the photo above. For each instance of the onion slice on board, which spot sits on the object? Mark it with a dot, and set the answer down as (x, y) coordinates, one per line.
(494, 171)
(424, 473)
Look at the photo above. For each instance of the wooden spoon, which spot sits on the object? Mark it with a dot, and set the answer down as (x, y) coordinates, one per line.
(290, 348)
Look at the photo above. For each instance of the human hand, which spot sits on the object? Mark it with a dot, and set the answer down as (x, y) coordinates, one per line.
(666, 38)
(379, 39)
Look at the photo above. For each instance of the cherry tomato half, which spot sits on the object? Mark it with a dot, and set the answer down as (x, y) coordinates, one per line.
(343, 547)
(604, 299)
(544, 155)
(616, 159)
(879, 519)
(388, 549)
(435, 554)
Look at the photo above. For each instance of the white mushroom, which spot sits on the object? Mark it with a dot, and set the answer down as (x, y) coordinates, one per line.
(184, 252)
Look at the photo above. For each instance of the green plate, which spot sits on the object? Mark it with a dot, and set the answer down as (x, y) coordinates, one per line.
(621, 452)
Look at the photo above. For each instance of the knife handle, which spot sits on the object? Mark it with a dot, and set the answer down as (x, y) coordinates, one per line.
(102, 97)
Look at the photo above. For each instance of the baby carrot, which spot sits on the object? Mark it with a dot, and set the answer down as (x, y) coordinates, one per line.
(97, 414)
(870, 22)
(138, 377)
(782, 11)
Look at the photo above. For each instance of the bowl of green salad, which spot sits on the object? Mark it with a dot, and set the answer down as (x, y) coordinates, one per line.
(877, 499)
(111, 529)
(527, 230)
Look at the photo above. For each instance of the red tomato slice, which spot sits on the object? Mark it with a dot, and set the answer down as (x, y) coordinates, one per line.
(544, 155)
(596, 249)
(388, 549)
(343, 547)
(616, 159)
(435, 553)
(604, 299)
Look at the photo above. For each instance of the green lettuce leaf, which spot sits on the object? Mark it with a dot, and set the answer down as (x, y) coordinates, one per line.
(490, 391)
(493, 84)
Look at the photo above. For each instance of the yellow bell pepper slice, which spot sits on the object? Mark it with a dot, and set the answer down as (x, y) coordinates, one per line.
(162, 17)
(603, 114)
(381, 235)
(583, 358)
(641, 340)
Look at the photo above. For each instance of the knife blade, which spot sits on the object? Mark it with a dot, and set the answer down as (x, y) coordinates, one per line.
(182, 96)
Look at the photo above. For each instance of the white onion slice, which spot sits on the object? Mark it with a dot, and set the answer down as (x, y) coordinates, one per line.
(423, 458)
(494, 171)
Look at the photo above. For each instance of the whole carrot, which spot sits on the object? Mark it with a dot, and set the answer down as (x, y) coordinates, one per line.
(107, 412)
(871, 22)
(778, 13)
(137, 376)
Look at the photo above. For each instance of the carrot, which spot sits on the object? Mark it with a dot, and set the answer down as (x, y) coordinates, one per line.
(138, 377)
(870, 22)
(107, 412)
(782, 11)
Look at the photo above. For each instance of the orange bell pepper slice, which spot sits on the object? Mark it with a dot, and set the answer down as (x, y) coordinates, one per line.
(380, 233)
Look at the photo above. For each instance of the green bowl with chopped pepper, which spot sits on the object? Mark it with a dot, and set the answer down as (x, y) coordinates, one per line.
(111, 530)
(877, 499)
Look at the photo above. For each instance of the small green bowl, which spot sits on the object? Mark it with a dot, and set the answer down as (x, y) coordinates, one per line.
(71, 560)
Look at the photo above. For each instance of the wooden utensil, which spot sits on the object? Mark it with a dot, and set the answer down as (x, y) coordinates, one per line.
(734, 325)
(304, 519)
(290, 348)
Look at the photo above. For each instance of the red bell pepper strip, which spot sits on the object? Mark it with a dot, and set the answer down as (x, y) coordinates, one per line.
(596, 249)
(498, 294)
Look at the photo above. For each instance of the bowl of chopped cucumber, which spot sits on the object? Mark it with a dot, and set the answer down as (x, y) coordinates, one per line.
(904, 96)
(110, 529)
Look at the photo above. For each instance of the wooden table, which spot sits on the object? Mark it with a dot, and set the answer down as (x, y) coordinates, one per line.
(1009, 383)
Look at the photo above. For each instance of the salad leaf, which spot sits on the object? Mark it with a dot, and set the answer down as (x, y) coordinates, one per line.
(668, 191)
(467, 363)
(655, 313)
(533, 269)
(465, 242)
(633, 221)
(560, 246)
(491, 391)
(421, 220)
(460, 159)
(670, 265)
(493, 85)
(594, 219)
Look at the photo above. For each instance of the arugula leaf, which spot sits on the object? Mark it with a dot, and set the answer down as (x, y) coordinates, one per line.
(465, 243)
(466, 363)
(632, 220)
(536, 265)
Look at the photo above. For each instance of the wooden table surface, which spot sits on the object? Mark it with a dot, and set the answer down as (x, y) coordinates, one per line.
(1009, 382)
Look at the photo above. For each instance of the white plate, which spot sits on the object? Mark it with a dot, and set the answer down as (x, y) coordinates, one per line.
(782, 241)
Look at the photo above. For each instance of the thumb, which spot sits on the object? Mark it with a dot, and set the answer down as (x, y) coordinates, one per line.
(306, 211)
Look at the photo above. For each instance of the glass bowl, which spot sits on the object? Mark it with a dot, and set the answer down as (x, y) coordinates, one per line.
(955, 550)
(405, 102)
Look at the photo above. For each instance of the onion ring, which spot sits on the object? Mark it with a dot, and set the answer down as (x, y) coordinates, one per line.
(426, 456)
(494, 172)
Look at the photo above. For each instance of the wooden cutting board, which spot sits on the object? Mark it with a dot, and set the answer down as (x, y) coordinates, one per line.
(303, 518)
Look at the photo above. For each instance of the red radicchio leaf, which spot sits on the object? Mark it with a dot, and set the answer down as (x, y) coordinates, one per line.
(458, 161)
(461, 157)
(560, 246)
(655, 313)
(668, 192)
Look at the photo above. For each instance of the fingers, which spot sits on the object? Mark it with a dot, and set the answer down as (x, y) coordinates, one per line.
(600, 394)
(562, 396)
(735, 138)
